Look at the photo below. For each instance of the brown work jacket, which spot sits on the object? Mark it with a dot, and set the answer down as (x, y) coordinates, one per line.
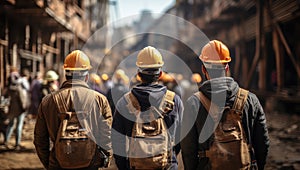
(77, 95)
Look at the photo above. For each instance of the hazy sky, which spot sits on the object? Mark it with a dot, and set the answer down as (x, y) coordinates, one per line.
(127, 8)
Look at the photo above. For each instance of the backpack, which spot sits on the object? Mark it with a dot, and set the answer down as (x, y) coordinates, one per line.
(228, 148)
(73, 147)
(150, 145)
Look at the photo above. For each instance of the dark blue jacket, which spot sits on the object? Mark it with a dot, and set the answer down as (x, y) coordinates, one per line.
(123, 121)
(222, 91)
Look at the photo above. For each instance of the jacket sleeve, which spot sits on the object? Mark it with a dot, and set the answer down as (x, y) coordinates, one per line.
(41, 138)
(189, 134)
(105, 126)
(119, 138)
(179, 110)
(260, 137)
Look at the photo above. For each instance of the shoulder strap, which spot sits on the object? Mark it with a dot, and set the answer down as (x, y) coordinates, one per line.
(166, 104)
(60, 102)
(238, 105)
(210, 107)
(133, 104)
(240, 100)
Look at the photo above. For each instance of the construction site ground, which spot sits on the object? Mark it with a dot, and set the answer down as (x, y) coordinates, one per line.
(284, 154)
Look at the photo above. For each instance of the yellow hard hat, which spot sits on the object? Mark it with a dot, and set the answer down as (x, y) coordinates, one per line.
(119, 74)
(215, 52)
(104, 77)
(149, 57)
(77, 60)
(94, 78)
(51, 75)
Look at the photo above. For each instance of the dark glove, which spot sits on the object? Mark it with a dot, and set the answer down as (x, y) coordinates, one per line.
(106, 156)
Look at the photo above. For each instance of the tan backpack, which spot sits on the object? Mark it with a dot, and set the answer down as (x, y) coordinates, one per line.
(150, 146)
(73, 146)
(229, 149)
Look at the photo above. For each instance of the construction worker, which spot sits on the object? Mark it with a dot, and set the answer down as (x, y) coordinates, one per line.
(147, 94)
(50, 84)
(95, 83)
(196, 78)
(192, 86)
(120, 80)
(222, 90)
(107, 82)
(18, 91)
(168, 80)
(74, 95)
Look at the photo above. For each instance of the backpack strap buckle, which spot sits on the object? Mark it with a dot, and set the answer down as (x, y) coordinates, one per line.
(202, 154)
(167, 102)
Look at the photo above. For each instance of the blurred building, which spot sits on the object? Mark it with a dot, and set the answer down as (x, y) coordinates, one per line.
(38, 34)
(263, 38)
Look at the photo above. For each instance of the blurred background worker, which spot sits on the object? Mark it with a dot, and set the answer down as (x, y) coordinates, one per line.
(221, 90)
(107, 82)
(50, 84)
(95, 83)
(36, 94)
(120, 87)
(168, 80)
(196, 78)
(19, 103)
(192, 86)
(74, 96)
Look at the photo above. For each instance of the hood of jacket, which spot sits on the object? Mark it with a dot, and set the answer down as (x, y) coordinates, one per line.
(74, 83)
(149, 94)
(220, 90)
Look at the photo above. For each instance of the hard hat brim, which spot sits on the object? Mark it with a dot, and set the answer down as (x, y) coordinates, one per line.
(205, 60)
(80, 69)
(150, 66)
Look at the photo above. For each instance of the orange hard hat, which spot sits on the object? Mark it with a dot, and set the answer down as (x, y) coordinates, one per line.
(94, 78)
(215, 52)
(196, 78)
(166, 77)
(77, 60)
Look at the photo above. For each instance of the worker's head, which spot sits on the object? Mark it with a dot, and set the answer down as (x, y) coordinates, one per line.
(215, 57)
(121, 77)
(77, 65)
(51, 76)
(95, 79)
(196, 78)
(149, 63)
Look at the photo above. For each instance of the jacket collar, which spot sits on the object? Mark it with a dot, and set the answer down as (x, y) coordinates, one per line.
(220, 88)
(74, 83)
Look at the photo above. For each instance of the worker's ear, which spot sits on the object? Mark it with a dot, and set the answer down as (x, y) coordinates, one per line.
(160, 74)
(227, 68)
(87, 78)
(204, 71)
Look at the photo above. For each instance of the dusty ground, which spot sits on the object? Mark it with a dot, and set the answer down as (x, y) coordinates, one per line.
(284, 154)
